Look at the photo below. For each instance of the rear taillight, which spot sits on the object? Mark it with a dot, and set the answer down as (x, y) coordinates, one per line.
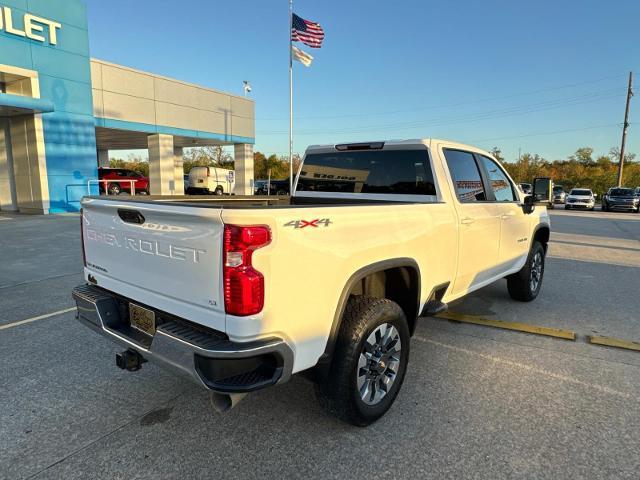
(84, 255)
(243, 285)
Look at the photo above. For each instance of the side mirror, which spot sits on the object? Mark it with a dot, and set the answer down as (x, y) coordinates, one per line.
(595, 195)
(528, 205)
(543, 190)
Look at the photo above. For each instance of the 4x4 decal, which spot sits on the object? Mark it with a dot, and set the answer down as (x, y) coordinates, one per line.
(309, 223)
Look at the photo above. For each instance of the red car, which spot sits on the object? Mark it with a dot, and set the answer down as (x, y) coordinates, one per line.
(119, 180)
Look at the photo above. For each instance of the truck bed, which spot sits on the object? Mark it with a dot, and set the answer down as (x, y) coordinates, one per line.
(239, 201)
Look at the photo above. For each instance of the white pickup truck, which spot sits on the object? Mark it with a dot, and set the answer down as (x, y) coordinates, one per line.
(240, 293)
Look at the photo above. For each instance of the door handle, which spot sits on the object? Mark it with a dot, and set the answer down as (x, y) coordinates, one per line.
(467, 221)
(507, 216)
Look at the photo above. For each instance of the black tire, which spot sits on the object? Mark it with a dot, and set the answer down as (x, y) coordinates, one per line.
(114, 189)
(520, 285)
(604, 207)
(339, 393)
(218, 191)
(567, 207)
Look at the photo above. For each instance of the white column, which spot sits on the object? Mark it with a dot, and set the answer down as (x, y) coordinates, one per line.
(243, 164)
(179, 170)
(161, 165)
(103, 158)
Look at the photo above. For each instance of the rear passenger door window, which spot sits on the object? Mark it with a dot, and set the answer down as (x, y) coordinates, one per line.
(500, 183)
(465, 175)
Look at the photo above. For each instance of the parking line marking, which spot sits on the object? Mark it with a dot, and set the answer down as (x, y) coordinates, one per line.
(520, 327)
(35, 319)
(530, 368)
(614, 342)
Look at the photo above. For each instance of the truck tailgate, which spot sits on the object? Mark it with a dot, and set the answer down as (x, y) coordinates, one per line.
(167, 256)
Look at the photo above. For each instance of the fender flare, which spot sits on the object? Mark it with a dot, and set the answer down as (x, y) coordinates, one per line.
(539, 227)
(325, 359)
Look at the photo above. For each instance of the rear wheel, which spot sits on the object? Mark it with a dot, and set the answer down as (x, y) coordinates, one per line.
(369, 363)
(114, 189)
(525, 285)
(218, 191)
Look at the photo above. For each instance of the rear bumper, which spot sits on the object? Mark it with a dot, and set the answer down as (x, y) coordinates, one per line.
(205, 356)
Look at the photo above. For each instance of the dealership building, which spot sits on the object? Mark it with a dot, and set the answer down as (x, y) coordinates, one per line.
(61, 111)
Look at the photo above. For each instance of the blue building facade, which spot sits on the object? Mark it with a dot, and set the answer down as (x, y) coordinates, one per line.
(64, 81)
(61, 112)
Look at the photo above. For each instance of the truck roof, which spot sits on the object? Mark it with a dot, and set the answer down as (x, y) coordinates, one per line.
(397, 142)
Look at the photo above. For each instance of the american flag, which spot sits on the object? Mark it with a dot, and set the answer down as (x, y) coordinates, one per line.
(309, 33)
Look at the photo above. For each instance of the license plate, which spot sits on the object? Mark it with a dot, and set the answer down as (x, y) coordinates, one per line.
(142, 319)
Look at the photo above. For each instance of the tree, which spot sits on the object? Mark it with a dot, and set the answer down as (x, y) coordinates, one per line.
(614, 154)
(497, 153)
(208, 156)
(583, 155)
(134, 162)
(579, 170)
(279, 166)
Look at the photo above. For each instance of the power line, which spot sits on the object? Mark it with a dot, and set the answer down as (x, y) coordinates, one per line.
(541, 134)
(449, 105)
(466, 118)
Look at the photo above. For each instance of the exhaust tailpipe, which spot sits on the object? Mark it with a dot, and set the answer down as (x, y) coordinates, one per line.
(223, 402)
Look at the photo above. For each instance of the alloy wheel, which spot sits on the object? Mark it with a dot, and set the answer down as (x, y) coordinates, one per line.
(536, 271)
(379, 363)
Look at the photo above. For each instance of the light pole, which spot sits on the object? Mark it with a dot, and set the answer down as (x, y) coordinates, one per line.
(246, 86)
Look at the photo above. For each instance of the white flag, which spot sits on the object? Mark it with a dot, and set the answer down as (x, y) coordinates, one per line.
(303, 57)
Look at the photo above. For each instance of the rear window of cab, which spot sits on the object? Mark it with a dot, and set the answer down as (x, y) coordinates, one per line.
(406, 172)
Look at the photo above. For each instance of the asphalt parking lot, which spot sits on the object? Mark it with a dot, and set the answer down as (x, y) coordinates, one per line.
(477, 402)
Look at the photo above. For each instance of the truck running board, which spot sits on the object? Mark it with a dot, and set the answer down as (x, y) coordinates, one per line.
(434, 307)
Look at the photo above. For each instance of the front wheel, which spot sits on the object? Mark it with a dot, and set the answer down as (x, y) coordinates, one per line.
(567, 207)
(218, 191)
(369, 362)
(525, 285)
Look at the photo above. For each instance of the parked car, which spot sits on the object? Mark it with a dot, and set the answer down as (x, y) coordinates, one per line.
(559, 195)
(580, 198)
(238, 295)
(208, 180)
(118, 180)
(525, 188)
(280, 187)
(275, 187)
(620, 198)
(259, 187)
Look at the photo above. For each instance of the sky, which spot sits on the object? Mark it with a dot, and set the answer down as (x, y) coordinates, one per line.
(543, 77)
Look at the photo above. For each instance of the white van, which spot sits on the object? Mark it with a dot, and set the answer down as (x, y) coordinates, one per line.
(207, 180)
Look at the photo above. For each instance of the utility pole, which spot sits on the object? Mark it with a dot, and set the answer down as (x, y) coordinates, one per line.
(625, 127)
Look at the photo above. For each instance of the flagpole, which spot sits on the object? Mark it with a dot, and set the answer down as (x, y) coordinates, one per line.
(290, 100)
